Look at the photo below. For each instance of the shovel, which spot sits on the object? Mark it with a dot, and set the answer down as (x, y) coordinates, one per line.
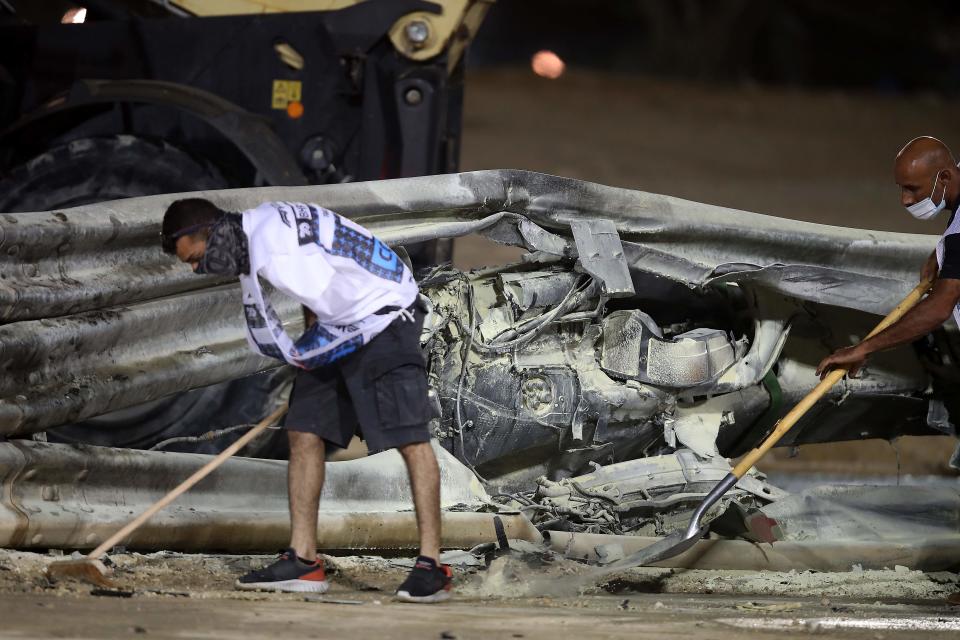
(678, 542)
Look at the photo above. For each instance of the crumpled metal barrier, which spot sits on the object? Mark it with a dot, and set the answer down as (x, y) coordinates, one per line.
(60, 370)
(130, 340)
(103, 254)
(74, 496)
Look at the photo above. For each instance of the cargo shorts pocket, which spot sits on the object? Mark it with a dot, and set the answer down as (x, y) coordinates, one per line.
(401, 396)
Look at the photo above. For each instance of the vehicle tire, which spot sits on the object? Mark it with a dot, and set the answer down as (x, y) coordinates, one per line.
(90, 170)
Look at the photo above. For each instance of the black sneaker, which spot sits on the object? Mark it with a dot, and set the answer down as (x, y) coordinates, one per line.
(288, 573)
(427, 582)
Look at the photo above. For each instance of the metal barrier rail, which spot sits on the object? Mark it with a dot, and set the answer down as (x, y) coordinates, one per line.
(61, 370)
(95, 256)
(95, 325)
(64, 496)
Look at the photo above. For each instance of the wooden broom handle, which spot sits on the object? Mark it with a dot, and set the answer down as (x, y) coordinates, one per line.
(199, 475)
(786, 422)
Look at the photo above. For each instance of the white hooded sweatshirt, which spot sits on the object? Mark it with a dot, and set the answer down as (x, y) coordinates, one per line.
(329, 264)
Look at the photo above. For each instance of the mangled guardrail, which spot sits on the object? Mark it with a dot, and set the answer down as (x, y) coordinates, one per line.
(99, 319)
(69, 497)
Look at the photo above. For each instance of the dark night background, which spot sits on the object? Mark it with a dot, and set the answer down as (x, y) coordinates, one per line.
(882, 46)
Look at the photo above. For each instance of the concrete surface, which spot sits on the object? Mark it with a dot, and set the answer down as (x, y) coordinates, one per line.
(633, 617)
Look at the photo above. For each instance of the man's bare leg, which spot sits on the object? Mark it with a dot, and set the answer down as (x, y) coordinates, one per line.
(304, 482)
(425, 485)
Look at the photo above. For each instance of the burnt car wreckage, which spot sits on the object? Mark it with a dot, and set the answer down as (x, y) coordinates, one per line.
(598, 386)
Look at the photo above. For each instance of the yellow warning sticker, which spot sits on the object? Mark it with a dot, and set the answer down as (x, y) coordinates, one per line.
(285, 92)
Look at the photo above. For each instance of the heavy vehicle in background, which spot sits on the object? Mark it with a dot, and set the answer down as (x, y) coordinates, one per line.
(147, 97)
(139, 97)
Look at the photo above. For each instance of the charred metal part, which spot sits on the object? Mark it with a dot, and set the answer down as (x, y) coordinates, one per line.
(648, 496)
(522, 405)
(690, 359)
(65, 496)
(601, 255)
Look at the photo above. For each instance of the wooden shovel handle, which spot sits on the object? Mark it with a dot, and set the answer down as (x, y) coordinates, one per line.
(786, 422)
(197, 476)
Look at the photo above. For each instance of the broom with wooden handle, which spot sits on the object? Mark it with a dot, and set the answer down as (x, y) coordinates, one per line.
(92, 569)
(677, 543)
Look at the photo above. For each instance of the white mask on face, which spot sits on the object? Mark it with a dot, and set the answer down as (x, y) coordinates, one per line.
(926, 209)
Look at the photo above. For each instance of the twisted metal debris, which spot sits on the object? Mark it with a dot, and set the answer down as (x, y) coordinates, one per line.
(99, 319)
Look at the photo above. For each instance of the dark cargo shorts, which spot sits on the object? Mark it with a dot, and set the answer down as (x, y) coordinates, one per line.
(378, 393)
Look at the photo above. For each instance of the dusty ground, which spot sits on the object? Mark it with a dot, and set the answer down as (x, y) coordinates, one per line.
(819, 157)
(173, 595)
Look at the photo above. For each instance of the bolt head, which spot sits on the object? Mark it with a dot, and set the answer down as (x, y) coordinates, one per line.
(413, 96)
(417, 32)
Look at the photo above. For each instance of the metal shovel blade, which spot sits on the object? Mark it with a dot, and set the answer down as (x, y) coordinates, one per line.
(673, 545)
(678, 542)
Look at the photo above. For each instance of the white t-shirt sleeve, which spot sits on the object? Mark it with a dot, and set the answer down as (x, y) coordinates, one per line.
(302, 277)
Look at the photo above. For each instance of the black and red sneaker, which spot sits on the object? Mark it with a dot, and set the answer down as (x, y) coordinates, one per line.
(427, 582)
(288, 573)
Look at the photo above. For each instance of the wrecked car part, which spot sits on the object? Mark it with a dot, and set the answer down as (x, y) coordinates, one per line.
(575, 391)
(601, 255)
(939, 553)
(513, 407)
(648, 496)
(690, 359)
(62, 496)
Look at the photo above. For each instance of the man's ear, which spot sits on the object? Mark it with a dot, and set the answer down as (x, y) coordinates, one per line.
(951, 183)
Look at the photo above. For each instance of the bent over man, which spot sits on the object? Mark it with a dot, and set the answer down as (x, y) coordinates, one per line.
(360, 361)
(929, 181)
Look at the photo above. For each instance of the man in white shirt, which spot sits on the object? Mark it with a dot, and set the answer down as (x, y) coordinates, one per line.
(926, 172)
(929, 181)
(360, 360)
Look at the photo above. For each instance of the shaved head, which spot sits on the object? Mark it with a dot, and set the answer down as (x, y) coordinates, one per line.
(923, 167)
(926, 152)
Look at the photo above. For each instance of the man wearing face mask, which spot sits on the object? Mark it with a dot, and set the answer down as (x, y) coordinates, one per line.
(929, 182)
(360, 361)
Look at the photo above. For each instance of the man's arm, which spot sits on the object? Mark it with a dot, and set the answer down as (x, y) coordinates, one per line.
(930, 268)
(928, 315)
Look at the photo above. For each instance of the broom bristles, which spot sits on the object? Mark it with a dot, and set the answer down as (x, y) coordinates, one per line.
(87, 569)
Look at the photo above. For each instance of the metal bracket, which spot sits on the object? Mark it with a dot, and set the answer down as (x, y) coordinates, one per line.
(601, 255)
